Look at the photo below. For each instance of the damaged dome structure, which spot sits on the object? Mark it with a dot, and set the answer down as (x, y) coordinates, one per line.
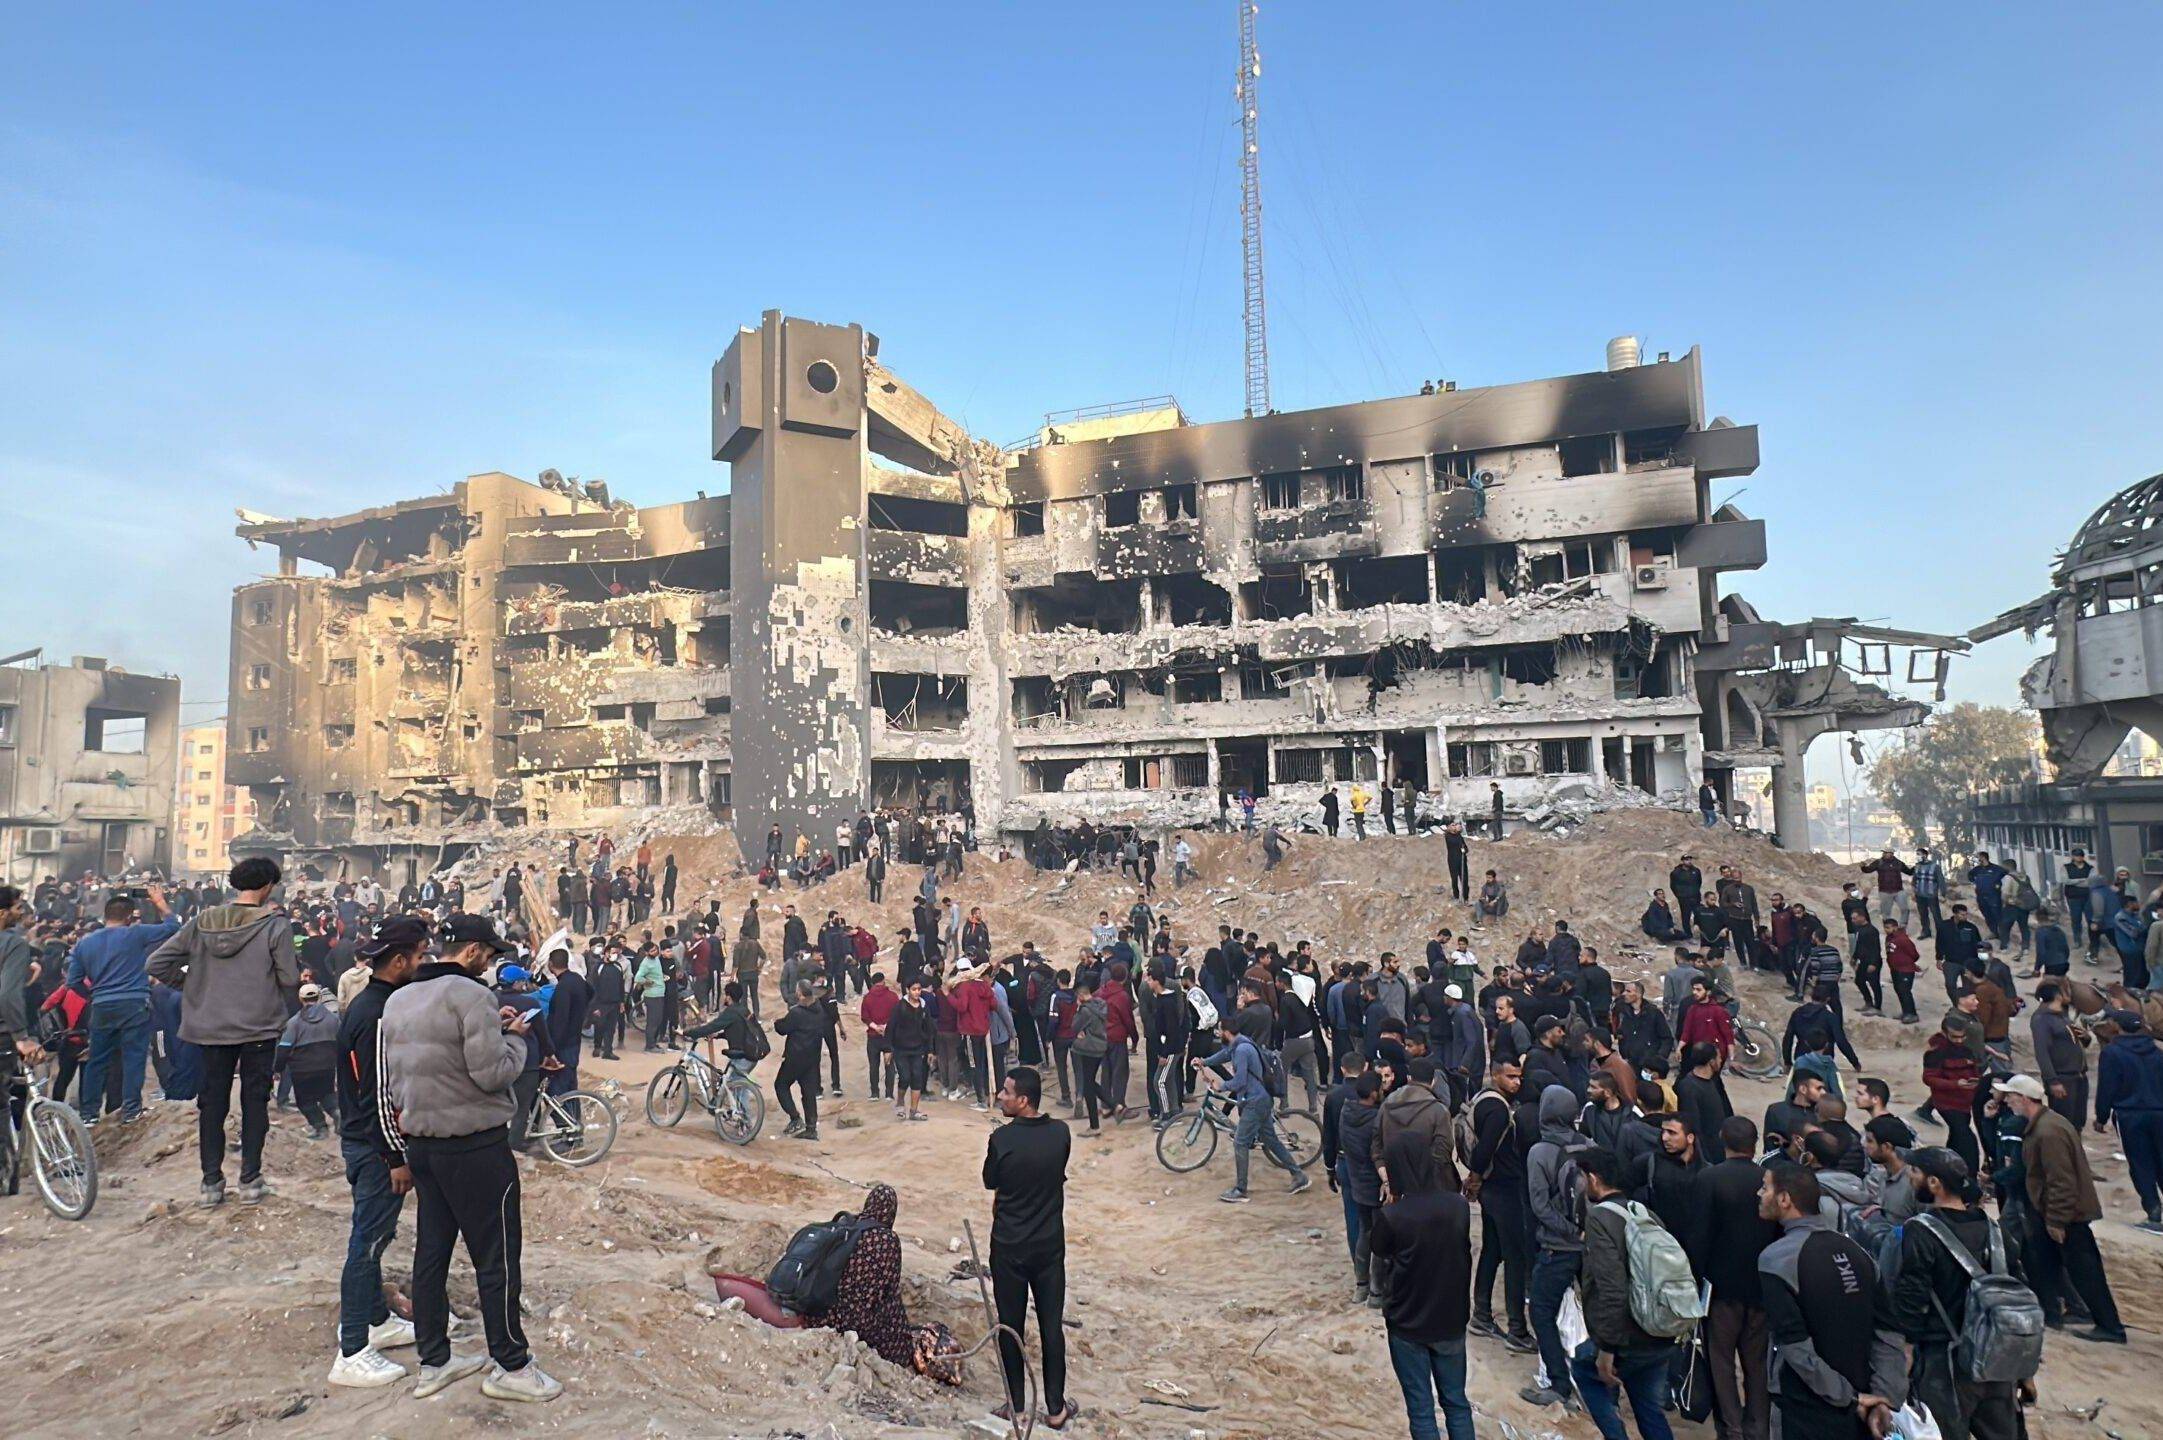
(2101, 680)
(1127, 617)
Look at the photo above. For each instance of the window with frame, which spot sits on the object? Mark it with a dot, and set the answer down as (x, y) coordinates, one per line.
(1280, 492)
(258, 739)
(1345, 482)
(337, 737)
(343, 668)
(258, 677)
(261, 611)
(1295, 767)
(1572, 756)
(1471, 759)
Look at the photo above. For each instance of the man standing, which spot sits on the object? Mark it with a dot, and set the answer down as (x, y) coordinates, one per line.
(1494, 805)
(605, 986)
(1495, 1173)
(112, 960)
(450, 1056)
(1025, 1169)
(236, 967)
(1460, 859)
(1933, 1287)
(567, 1011)
(876, 1010)
(2129, 1094)
(1733, 1237)
(651, 982)
(1557, 1234)
(2061, 1061)
(2061, 1193)
(1623, 1356)
(1425, 1238)
(805, 1029)
(909, 1035)
(1837, 1363)
(375, 1161)
(1687, 884)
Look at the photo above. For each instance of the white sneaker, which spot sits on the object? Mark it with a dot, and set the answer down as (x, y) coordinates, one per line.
(393, 1334)
(365, 1369)
(435, 1377)
(529, 1383)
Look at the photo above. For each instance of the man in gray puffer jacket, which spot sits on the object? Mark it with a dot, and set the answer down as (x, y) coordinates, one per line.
(236, 967)
(450, 1054)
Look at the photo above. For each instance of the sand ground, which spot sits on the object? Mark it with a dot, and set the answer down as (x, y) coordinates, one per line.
(1187, 1318)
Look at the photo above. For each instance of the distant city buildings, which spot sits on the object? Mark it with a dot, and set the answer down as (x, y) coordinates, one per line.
(207, 811)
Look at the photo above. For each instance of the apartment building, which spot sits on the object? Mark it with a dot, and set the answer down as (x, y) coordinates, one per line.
(208, 810)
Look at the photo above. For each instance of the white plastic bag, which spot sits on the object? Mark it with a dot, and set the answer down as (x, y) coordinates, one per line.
(1913, 1421)
(1571, 1322)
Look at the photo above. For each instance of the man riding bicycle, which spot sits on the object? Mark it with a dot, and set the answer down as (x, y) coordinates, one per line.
(18, 1041)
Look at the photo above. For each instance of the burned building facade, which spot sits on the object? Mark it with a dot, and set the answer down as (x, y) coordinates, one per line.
(1126, 619)
(87, 763)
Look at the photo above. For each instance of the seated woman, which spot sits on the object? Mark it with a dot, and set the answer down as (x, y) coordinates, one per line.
(870, 1299)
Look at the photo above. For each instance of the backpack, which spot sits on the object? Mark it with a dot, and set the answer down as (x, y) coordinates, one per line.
(1272, 1063)
(1664, 1298)
(1570, 1186)
(2000, 1333)
(1468, 1136)
(1205, 1009)
(756, 1044)
(807, 1277)
(1868, 1226)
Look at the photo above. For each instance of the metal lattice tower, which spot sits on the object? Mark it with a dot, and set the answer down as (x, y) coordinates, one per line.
(1250, 214)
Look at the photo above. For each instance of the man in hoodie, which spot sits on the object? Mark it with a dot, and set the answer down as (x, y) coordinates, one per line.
(1353, 1120)
(308, 1051)
(1425, 1235)
(1417, 1109)
(375, 1160)
(236, 966)
(450, 1056)
(2129, 1094)
(1551, 1179)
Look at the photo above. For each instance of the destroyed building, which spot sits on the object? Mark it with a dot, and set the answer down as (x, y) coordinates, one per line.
(87, 755)
(2102, 678)
(1127, 618)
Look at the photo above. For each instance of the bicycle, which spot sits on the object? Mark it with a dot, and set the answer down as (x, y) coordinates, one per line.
(575, 1128)
(62, 1159)
(735, 1101)
(1188, 1142)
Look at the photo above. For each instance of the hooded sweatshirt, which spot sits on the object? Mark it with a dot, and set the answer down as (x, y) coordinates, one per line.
(1414, 1110)
(1553, 1225)
(2129, 1076)
(309, 1046)
(235, 966)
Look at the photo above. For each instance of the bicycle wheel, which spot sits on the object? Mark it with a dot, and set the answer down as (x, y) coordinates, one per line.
(741, 1114)
(1756, 1055)
(668, 1097)
(62, 1156)
(1302, 1136)
(576, 1128)
(1187, 1143)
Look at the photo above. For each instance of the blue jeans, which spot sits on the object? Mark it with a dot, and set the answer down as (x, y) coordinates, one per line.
(1644, 1374)
(1351, 1211)
(1553, 1273)
(1427, 1371)
(120, 1028)
(375, 1221)
(1257, 1125)
(1711, 817)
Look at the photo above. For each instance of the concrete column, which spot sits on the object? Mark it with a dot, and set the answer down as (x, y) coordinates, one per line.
(788, 416)
(1790, 787)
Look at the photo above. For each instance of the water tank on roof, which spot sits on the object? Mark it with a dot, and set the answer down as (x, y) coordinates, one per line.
(1622, 353)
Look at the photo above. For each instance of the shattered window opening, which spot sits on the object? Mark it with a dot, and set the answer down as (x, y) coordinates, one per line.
(912, 516)
(1588, 455)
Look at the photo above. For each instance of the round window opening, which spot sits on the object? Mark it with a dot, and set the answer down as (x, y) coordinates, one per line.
(822, 377)
(728, 395)
(844, 624)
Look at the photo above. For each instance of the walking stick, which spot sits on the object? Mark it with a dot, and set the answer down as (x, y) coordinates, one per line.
(1021, 1429)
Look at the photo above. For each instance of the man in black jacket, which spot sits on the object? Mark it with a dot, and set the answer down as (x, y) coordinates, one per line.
(605, 1001)
(375, 1163)
(909, 1033)
(1546, 1063)
(1642, 1033)
(1686, 883)
(1494, 1172)
(1836, 1359)
(1731, 1236)
(1933, 1287)
(567, 1010)
(805, 1028)
(1425, 1234)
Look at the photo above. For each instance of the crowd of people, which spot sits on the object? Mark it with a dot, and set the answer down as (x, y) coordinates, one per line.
(1656, 1250)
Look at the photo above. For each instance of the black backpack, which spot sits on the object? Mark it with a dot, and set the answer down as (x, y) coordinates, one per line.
(756, 1046)
(807, 1277)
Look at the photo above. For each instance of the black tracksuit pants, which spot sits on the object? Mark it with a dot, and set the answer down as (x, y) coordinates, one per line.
(1016, 1279)
(466, 1187)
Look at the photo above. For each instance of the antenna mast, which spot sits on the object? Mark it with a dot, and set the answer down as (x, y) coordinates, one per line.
(1250, 214)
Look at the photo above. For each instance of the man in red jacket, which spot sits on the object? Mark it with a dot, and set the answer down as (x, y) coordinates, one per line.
(1905, 961)
(970, 996)
(875, 1010)
(1119, 1034)
(1706, 1018)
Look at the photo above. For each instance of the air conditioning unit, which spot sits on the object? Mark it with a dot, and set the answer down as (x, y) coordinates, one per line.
(1652, 576)
(41, 840)
(1516, 762)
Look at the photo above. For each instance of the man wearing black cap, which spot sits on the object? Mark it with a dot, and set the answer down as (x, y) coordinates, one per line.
(452, 1055)
(375, 1160)
(1932, 1288)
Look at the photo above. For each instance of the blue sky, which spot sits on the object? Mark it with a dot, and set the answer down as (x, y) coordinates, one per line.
(305, 259)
